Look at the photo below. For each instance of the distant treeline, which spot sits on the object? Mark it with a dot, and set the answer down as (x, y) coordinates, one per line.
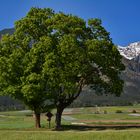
(6, 103)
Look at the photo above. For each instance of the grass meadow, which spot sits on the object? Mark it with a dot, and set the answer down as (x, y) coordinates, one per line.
(71, 135)
(90, 123)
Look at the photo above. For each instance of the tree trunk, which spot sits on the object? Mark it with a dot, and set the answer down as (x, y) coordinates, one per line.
(37, 120)
(58, 117)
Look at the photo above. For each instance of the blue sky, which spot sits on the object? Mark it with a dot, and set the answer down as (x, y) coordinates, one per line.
(120, 17)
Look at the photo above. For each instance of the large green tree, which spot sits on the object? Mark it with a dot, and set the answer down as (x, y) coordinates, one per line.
(22, 58)
(82, 55)
(54, 55)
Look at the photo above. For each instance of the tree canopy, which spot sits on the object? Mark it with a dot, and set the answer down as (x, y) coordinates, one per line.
(52, 56)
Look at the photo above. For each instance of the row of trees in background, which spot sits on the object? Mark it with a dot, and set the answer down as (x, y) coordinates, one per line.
(52, 56)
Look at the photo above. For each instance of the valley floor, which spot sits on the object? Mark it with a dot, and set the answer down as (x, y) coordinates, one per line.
(90, 123)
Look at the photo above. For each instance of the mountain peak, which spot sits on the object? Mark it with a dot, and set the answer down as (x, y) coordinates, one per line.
(131, 51)
(135, 44)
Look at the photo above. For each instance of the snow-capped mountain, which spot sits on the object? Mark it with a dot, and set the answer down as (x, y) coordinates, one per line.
(131, 51)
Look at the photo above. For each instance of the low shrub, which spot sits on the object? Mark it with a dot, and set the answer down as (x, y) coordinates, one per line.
(134, 111)
(105, 112)
(119, 111)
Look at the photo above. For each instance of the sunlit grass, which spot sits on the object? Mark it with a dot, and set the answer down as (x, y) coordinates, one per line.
(25, 119)
(70, 135)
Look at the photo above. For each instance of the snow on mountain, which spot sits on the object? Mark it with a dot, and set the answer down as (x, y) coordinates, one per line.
(131, 51)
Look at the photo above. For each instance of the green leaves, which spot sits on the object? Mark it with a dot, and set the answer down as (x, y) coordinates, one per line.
(98, 32)
(52, 56)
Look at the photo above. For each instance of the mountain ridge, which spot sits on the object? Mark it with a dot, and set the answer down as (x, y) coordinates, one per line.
(7, 31)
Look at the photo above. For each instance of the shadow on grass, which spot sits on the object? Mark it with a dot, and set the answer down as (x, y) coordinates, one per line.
(96, 128)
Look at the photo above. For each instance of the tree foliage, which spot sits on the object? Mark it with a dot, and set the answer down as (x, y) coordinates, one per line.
(53, 56)
(22, 58)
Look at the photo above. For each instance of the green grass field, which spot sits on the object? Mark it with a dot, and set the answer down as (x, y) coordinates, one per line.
(15, 125)
(71, 135)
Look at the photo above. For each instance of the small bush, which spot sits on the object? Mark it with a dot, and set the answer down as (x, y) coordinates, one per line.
(119, 111)
(134, 111)
(105, 112)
